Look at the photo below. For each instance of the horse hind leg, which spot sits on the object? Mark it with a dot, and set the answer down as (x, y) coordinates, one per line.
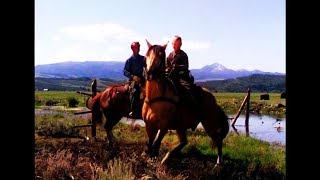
(109, 124)
(110, 136)
(219, 148)
(182, 134)
(217, 142)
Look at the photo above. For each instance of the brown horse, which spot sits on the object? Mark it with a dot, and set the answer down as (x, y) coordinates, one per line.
(111, 105)
(164, 110)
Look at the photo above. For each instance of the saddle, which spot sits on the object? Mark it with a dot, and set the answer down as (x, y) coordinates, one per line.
(186, 95)
(118, 92)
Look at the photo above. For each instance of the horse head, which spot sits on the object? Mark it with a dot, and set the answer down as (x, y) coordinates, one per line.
(155, 61)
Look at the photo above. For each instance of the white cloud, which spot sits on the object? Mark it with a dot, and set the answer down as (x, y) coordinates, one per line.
(84, 52)
(195, 45)
(70, 53)
(56, 38)
(107, 42)
(187, 44)
(104, 32)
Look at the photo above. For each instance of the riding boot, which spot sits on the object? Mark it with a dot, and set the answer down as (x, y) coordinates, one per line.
(131, 113)
(132, 98)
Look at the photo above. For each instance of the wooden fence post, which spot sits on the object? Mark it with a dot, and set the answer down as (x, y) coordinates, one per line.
(93, 123)
(94, 87)
(247, 112)
(239, 111)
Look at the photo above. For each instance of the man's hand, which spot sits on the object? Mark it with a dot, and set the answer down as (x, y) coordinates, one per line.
(136, 79)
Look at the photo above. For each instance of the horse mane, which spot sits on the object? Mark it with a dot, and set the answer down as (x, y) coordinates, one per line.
(159, 52)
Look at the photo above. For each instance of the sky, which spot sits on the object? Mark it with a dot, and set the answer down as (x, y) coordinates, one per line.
(239, 34)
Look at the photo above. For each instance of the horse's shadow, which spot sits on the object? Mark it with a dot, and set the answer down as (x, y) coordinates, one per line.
(193, 164)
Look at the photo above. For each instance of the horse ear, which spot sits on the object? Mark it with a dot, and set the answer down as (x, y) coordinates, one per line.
(165, 46)
(149, 45)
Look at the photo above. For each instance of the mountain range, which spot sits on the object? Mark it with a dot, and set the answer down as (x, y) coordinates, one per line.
(114, 70)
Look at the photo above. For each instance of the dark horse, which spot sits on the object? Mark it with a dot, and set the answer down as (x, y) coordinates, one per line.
(164, 110)
(109, 106)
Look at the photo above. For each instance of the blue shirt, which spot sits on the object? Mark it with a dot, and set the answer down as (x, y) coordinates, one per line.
(134, 66)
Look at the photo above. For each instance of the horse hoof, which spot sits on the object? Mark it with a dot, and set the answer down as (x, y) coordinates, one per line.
(217, 166)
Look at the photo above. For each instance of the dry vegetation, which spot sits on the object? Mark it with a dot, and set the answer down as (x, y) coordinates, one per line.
(78, 158)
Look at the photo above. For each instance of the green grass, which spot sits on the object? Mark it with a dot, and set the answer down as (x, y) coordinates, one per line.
(231, 103)
(255, 97)
(239, 148)
(41, 97)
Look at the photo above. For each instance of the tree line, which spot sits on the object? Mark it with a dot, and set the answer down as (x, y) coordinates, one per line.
(256, 82)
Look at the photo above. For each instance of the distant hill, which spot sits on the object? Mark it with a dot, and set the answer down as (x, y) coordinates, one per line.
(92, 69)
(72, 84)
(256, 82)
(114, 70)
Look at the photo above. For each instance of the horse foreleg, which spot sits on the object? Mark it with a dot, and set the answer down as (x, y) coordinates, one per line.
(183, 141)
(152, 132)
(157, 141)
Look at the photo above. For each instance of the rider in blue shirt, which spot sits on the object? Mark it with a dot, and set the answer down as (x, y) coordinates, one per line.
(133, 69)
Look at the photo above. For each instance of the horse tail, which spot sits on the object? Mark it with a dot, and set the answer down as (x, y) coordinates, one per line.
(223, 130)
(95, 109)
(89, 102)
(226, 125)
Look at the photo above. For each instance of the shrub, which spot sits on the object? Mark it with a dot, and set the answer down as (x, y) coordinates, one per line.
(72, 101)
(56, 129)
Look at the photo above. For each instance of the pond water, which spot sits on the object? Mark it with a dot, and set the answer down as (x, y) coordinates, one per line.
(262, 127)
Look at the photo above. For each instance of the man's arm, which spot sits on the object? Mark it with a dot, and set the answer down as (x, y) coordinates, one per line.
(185, 61)
(126, 69)
(169, 61)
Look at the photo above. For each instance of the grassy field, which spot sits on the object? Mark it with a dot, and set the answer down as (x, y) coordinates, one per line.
(255, 97)
(62, 152)
(61, 97)
(231, 103)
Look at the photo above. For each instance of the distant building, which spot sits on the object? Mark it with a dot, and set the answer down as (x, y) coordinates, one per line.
(45, 89)
(264, 96)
